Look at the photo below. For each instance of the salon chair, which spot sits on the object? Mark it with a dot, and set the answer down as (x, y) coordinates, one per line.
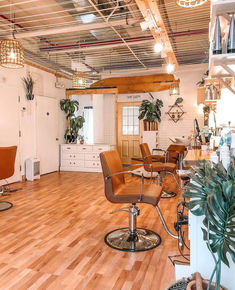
(161, 167)
(173, 154)
(130, 239)
(7, 164)
(7, 169)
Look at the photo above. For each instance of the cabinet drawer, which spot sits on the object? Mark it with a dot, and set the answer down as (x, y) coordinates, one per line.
(72, 163)
(101, 148)
(84, 148)
(72, 156)
(69, 149)
(92, 156)
(92, 164)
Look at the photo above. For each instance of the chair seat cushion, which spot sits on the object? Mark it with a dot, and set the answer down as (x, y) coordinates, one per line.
(159, 166)
(131, 193)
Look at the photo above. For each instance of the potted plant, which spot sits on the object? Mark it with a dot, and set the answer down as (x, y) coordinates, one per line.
(150, 111)
(212, 195)
(28, 85)
(74, 123)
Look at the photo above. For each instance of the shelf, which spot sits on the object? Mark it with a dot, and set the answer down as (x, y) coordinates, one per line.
(221, 66)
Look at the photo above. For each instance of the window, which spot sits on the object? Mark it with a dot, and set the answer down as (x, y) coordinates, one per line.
(88, 129)
(130, 121)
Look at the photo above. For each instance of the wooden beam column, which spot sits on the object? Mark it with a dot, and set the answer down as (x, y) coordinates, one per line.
(152, 6)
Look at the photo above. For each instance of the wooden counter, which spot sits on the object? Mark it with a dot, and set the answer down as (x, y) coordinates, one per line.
(194, 155)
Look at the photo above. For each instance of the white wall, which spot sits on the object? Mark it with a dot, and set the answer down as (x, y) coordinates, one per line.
(226, 103)
(44, 86)
(189, 76)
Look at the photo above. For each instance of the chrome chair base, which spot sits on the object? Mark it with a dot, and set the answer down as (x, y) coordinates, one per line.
(142, 240)
(4, 205)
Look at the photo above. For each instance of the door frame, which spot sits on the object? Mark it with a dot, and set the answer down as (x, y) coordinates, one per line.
(117, 104)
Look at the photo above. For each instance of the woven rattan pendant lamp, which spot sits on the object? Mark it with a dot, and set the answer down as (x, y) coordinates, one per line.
(11, 50)
(11, 53)
(190, 3)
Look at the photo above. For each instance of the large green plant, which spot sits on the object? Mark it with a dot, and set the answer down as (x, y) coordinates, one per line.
(212, 194)
(69, 107)
(150, 110)
(75, 123)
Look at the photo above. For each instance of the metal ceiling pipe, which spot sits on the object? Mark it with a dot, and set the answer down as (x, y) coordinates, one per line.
(129, 40)
(116, 42)
(74, 28)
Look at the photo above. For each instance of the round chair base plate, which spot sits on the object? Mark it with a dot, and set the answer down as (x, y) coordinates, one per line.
(4, 205)
(168, 194)
(120, 239)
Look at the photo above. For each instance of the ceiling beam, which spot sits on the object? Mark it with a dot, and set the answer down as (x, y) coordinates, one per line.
(138, 84)
(162, 34)
(75, 28)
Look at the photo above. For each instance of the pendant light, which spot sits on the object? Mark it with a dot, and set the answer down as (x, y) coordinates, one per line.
(79, 80)
(231, 36)
(12, 54)
(11, 50)
(174, 89)
(217, 47)
(190, 3)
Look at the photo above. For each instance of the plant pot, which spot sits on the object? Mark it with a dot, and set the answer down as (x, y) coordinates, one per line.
(150, 126)
(192, 285)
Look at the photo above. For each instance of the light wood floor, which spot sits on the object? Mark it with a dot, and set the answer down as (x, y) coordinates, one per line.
(52, 238)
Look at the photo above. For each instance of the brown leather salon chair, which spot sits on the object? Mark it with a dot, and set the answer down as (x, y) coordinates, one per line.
(117, 191)
(173, 154)
(7, 164)
(152, 164)
(7, 169)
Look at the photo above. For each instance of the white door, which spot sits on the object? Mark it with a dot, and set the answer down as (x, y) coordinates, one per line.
(47, 134)
(9, 124)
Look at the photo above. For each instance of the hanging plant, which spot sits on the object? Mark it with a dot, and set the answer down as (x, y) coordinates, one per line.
(28, 85)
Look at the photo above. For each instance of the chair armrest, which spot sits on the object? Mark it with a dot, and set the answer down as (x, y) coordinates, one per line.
(131, 171)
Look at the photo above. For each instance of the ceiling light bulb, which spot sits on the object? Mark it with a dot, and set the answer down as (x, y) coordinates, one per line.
(158, 47)
(170, 68)
(12, 54)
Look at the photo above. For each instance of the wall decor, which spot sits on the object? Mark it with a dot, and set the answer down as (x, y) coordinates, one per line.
(176, 112)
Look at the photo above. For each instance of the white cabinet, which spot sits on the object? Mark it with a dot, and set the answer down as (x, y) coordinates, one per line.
(76, 157)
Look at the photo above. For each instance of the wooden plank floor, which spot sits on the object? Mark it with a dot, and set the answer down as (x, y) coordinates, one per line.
(53, 238)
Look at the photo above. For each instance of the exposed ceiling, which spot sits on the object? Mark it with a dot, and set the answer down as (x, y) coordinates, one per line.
(104, 35)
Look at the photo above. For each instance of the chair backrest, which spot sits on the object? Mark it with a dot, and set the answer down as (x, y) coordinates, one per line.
(174, 156)
(7, 161)
(146, 155)
(111, 163)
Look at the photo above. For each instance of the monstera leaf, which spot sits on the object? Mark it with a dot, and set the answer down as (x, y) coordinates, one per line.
(150, 110)
(212, 194)
(220, 221)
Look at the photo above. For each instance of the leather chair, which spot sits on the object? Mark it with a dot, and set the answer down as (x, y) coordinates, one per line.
(117, 191)
(152, 164)
(173, 154)
(7, 164)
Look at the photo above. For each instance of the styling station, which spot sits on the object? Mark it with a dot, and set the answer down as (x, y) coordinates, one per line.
(117, 144)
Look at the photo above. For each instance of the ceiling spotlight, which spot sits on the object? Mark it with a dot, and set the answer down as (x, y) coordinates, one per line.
(170, 68)
(158, 47)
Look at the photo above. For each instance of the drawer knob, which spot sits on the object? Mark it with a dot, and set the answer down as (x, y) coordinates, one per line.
(83, 148)
(73, 162)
